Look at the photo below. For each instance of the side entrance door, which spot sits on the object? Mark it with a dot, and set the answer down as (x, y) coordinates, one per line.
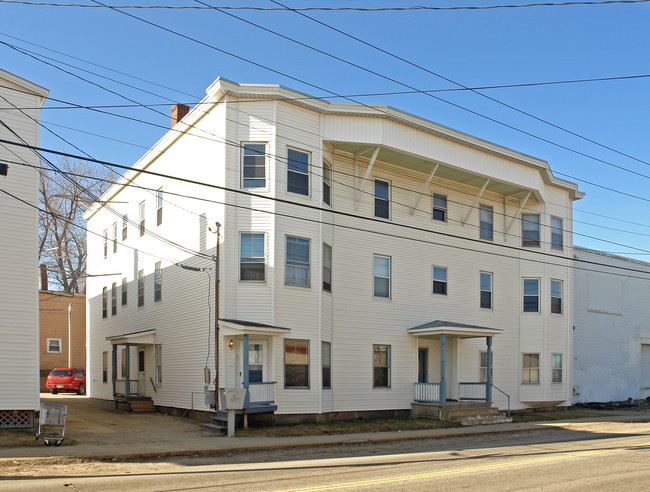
(142, 376)
(423, 361)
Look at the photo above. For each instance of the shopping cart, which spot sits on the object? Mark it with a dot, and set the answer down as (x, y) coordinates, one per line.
(51, 423)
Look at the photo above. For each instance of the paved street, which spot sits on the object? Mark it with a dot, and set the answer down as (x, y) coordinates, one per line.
(603, 455)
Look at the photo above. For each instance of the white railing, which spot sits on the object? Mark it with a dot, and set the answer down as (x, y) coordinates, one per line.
(262, 392)
(120, 387)
(427, 392)
(472, 391)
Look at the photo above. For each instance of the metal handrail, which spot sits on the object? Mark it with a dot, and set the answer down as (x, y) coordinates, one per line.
(504, 393)
(153, 385)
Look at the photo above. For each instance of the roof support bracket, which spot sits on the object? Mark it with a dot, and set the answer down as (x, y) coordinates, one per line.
(516, 216)
(478, 197)
(359, 189)
(424, 188)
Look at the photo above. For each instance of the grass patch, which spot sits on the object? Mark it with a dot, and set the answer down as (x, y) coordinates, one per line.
(559, 415)
(345, 427)
(18, 438)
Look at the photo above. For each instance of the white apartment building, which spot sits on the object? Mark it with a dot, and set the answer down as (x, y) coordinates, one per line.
(19, 385)
(367, 259)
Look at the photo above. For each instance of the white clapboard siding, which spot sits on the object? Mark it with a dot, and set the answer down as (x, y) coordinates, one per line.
(349, 317)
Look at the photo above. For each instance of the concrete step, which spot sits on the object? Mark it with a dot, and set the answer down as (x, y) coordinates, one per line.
(215, 429)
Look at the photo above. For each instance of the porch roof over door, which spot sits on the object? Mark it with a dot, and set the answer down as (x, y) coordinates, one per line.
(434, 329)
(241, 327)
(145, 337)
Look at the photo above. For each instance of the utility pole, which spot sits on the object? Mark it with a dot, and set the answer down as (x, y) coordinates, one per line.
(216, 320)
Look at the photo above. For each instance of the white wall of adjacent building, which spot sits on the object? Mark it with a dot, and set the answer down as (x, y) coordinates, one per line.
(612, 328)
(19, 385)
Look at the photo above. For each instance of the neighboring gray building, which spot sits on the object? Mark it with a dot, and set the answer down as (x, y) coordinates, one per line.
(611, 336)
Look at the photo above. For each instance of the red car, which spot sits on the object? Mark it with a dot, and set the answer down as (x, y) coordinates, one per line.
(66, 379)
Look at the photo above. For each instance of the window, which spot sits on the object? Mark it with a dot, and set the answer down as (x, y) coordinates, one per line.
(439, 280)
(486, 290)
(530, 229)
(439, 207)
(381, 273)
(53, 345)
(124, 287)
(114, 237)
(158, 358)
(123, 363)
(382, 199)
(157, 282)
(531, 295)
(327, 183)
(381, 366)
(297, 265)
(140, 288)
(104, 302)
(297, 172)
(125, 222)
(486, 219)
(254, 165)
(251, 257)
(159, 206)
(557, 233)
(142, 225)
(104, 367)
(327, 267)
(556, 368)
(113, 299)
(530, 373)
(105, 236)
(556, 296)
(326, 363)
(483, 366)
(296, 364)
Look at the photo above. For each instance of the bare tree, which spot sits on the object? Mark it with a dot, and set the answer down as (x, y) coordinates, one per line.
(62, 235)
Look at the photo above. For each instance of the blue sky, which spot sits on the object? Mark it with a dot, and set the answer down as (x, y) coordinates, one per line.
(472, 47)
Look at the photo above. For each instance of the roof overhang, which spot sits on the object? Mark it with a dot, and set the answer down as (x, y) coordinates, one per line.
(233, 327)
(444, 170)
(146, 337)
(436, 328)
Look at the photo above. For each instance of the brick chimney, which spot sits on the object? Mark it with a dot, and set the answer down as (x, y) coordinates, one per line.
(43, 268)
(178, 112)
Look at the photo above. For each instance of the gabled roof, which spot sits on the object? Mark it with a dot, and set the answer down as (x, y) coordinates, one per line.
(25, 84)
(434, 329)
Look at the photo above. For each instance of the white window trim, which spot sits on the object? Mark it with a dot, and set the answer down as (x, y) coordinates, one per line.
(561, 248)
(309, 269)
(433, 207)
(55, 351)
(539, 231)
(309, 172)
(390, 198)
(265, 259)
(539, 368)
(551, 297)
(390, 277)
(329, 181)
(539, 296)
(433, 279)
(389, 366)
(480, 290)
(480, 207)
(561, 381)
(267, 172)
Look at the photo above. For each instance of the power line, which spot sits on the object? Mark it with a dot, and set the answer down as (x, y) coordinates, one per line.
(332, 211)
(260, 65)
(570, 265)
(413, 8)
(462, 86)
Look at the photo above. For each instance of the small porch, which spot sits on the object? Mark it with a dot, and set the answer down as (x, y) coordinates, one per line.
(432, 392)
(133, 385)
